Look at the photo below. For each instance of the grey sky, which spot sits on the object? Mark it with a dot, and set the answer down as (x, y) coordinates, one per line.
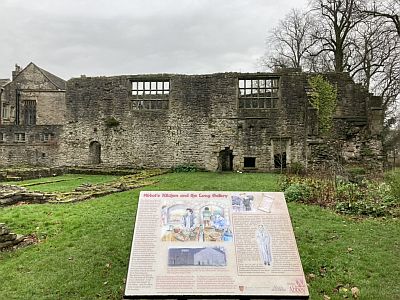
(104, 37)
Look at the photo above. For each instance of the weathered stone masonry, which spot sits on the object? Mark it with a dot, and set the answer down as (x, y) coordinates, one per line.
(204, 124)
(32, 114)
(225, 121)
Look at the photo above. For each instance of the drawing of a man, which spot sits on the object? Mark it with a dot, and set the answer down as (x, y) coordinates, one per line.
(189, 220)
(264, 244)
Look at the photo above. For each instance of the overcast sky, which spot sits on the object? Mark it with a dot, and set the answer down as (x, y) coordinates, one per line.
(114, 37)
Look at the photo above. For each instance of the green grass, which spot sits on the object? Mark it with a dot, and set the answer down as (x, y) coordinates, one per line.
(85, 246)
(69, 182)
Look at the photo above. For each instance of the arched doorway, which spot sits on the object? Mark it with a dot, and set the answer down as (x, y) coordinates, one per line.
(225, 160)
(94, 153)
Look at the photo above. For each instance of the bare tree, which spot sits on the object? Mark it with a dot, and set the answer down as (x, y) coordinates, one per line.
(289, 43)
(374, 44)
(337, 18)
(387, 85)
(385, 9)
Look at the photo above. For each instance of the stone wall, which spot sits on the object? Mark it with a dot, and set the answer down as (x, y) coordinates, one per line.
(29, 145)
(204, 124)
(203, 119)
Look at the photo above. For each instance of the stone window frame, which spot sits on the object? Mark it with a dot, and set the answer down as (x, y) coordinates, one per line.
(6, 111)
(20, 137)
(30, 111)
(150, 94)
(46, 137)
(246, 161)
(259, 92)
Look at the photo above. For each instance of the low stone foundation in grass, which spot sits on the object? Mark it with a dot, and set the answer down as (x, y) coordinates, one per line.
(9, 239)
(12, 194)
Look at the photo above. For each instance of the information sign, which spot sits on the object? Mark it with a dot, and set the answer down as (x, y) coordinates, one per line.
(213, 244)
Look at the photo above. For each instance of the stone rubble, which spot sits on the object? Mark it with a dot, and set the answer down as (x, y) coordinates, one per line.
(12, 194)
(7, 238)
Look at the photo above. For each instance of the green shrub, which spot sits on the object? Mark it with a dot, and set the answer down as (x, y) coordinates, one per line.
(393, 180)
(297, 168)
(348, 192)
(297, 192)
(357, 171)
(185, 168)
(368, 198)
(111, 122)
(362, 208)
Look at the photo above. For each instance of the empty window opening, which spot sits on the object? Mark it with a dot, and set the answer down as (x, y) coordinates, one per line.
(6, 111)
(225, 160)
(150, 94)
(2, 137)
(46, 137)
(30, 112)
(249, 162)
(19, 137)
(94, 153)
(280, 160)
(259, 93)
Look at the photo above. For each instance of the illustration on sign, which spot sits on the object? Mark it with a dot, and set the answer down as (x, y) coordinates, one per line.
(243, 202)
(208, 223)
(264, 244)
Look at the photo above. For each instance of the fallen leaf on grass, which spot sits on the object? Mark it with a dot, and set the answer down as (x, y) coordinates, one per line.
(326, 297)
(322, 271)
(355, 292)
(310, 277)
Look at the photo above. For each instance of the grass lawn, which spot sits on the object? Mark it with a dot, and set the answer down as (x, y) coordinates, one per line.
(85, 246)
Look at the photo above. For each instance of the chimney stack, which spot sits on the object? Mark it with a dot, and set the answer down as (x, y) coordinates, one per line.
(16, 71)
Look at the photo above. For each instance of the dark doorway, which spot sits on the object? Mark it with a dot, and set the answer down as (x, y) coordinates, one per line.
(280, 160)
(94, 153)
(225, 160)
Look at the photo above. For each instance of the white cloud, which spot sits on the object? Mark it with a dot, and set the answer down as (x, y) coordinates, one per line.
(99, 37)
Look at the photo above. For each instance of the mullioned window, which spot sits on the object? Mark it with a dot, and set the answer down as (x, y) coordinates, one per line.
(255, 93)
(150, 94)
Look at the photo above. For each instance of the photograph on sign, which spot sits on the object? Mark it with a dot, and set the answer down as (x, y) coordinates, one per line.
(205, 256)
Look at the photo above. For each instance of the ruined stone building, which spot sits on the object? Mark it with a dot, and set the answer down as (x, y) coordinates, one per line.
(224, 121)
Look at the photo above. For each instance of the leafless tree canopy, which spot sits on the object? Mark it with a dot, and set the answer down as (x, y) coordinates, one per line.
(361, 37)
(388, 10)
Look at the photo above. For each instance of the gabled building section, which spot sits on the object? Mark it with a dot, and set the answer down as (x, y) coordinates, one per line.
(33, 111)
(33, 97)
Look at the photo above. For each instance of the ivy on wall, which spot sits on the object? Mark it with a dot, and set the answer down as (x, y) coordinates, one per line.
(323, 98)
(111, 122)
